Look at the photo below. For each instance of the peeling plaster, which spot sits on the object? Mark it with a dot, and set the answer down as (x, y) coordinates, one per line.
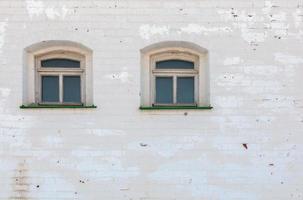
(147, 31)
(243, 21)
(53, 13)
(36, 8)
(199, 29)
(253, 36)
(278, 28)
(268, 5)
(122, 76)
(277, 102)
(232, 79)
(247, 23)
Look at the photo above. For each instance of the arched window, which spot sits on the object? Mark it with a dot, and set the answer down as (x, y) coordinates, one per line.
(174, 75)
(58, 73)
(60, 78)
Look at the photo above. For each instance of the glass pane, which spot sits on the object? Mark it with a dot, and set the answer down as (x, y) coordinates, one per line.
(174, 64)
(72, 89)
(50, 88)
(164, 90)
(61, 63)
(185, 90)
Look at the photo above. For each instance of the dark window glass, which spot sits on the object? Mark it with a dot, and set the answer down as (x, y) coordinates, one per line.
(164, 90)
(185, 90)
(71, 89)
(174, 64)
(61, 63)
(50, 88)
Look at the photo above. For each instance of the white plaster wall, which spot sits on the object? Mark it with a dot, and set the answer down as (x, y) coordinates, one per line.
(117, 152)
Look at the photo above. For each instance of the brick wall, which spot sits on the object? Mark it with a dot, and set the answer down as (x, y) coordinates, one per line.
(248, 147)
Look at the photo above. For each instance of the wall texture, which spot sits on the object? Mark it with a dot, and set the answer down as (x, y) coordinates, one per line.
(248, 147)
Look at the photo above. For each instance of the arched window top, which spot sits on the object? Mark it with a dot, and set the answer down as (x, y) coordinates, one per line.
(60, 63)
(174, 64)
(168, 46)
(53, 45)
(61, 59)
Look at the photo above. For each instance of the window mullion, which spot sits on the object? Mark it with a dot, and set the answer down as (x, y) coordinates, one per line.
(175, 89)
(61, 88)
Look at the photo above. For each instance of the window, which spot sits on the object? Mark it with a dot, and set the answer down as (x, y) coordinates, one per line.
(174, 80)
(174, 74)
(58, 73)
(60, 78)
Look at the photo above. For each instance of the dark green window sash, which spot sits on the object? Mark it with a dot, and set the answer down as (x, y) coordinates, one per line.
(34, 106)
(176, 108)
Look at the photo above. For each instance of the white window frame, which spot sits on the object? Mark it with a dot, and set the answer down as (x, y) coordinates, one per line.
(175, 73)
(179, 50)
(56, 49)
(60, 72)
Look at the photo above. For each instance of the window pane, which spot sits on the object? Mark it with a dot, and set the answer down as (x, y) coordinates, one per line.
(174, 64)
(185, 90)
(72, 89)
(164, 90)
(50, 88)
(61, 63)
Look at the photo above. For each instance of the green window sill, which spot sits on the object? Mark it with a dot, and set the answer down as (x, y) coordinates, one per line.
(34, 106)
(176, 108)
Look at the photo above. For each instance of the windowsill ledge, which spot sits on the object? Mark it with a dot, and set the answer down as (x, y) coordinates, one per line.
(176, 108)
(35, 106)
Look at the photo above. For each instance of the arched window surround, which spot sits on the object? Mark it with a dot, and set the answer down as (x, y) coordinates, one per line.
(182, 50)
(34, 54)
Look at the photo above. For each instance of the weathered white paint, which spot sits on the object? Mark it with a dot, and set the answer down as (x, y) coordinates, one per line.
(36, 8)
(3, 26)
(288, 59)
(53, 13)
(297, 16)
(106, 132)
(147, 31)
(4, 92)
(248, 147)
(198, 29)
(232, 61)
(122, 76)
(268, 5)
(253, 37)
